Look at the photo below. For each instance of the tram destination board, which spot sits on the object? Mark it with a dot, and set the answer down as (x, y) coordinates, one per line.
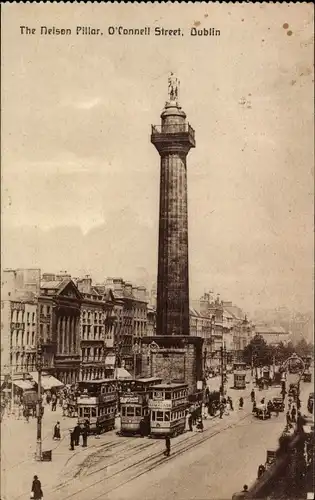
(130, 399)
(166, 405)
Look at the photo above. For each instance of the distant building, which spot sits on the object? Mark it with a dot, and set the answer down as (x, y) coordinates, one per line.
(19, 323)
(130, 309)
(92, 331)
(273, 335)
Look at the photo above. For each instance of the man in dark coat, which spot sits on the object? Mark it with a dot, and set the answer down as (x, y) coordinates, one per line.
(252, 395)
(293, 414)
(190, 420)
(76, 435)
(72, 435)
(84, 436)
(57, 431)
(37, 489)
(167, 446)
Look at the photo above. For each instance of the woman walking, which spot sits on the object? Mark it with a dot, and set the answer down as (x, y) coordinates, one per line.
(36, 493)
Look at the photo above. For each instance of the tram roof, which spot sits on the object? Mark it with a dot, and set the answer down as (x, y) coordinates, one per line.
(98, 381)
(171, 385)
(148, 380)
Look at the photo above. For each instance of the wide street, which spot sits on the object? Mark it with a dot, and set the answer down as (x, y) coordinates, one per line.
(209, 465)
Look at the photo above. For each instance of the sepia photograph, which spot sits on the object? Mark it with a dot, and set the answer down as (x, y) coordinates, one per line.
(157, 251)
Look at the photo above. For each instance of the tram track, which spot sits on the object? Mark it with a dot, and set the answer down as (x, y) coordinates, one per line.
(147, 463)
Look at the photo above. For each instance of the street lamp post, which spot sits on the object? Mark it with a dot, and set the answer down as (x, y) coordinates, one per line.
(38, 455)
(222, 374)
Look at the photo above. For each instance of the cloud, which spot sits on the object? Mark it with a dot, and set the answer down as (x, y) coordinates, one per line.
(88, 104)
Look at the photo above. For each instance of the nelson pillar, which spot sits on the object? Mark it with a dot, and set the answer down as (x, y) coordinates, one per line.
(176, 354)
(173, 139)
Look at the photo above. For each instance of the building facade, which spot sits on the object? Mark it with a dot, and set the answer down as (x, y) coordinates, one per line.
(128, 321)
(59, 305)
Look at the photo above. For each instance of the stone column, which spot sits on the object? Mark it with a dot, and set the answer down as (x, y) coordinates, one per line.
(70, 333)
(62, 321)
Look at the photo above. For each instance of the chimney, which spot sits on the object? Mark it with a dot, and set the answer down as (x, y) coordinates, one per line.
(85, 284)
(128, 289)
(142, 293)
(118, 284)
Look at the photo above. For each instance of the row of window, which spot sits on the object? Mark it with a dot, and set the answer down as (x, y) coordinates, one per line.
(45, 310)
(19, 316)
(134, 411)
(167, 416)
(92, 353)
(88, 315)
(88, 412)
(168, 394)
(23, 338)
(97, 330)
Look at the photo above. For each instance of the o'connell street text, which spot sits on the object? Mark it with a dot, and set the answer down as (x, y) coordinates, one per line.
(117, 31)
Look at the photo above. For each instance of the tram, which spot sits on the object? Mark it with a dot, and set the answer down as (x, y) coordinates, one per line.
(168, 404)
(239, 375)
(97, 405)
(134, 409)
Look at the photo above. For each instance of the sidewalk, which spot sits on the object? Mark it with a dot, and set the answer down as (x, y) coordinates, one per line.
(18, 448)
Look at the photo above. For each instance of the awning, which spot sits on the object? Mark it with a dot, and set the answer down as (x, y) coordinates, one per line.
(110, 361)
(121, 374)
(24, 384)
(47, 381)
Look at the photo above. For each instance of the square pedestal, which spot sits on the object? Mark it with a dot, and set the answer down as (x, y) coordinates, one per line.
(175, 358)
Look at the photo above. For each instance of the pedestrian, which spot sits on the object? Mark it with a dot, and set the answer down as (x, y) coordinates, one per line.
(254, 406)
(288, 418)
(293, 414)
(221, 409)
(190, 424)
(252, 395)
(76, 435)
(36, 492)
(241, 403)
(64, 408)
(57, 431)
(263, 401)
(167, 446)
(84, 436)
(53, 402)
(230, 403)
(261, 470)
(71, 440)
(26, 414)
(142, 427)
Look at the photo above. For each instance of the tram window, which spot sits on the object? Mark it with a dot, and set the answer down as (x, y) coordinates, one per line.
(150, 395)
(138, 411)
(123, 411)
(80, 412)
(145, 411)
(86, 412)
(159, 416)
(167, 416)
(153, 416)
(130, 411)
(168, 395)
(93, 412)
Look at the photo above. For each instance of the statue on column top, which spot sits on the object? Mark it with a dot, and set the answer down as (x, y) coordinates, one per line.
(173, 88)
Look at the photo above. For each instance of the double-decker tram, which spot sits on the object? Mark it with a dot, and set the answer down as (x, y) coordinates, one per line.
(134, 406)
(168, 404)
(97, 405)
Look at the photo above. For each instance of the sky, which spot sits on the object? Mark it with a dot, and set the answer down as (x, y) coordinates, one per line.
(80, 178)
